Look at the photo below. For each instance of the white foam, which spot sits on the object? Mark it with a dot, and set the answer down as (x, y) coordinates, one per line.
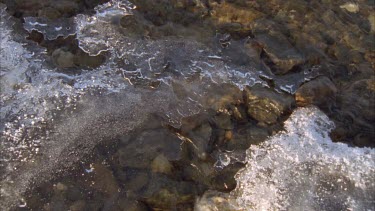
(302, 169)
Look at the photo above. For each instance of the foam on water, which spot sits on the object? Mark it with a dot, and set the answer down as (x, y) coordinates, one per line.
(302, 169)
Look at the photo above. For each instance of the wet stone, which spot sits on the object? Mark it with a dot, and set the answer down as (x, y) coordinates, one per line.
(233, 18)
(357, 107)
(103, 180)
(247, 135)
(126, 204)
(163, 193)
(143, 149)
(63, 58)
(266, 105)
(223, 121)
(161, 165)
(222, 96)
(78, 206)
(224, 180)
(84, 60)
(212, 200)
(281, 53)
(200, 172)
(318, 91)
(201, 141)
(134, 180)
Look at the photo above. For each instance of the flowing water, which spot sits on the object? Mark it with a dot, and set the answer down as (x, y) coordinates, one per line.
(56, 122)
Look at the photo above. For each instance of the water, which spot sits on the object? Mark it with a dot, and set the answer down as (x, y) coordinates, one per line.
(301, 168)
(52, 118)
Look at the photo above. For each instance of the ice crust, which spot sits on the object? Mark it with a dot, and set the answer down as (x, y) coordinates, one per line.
(302, 169)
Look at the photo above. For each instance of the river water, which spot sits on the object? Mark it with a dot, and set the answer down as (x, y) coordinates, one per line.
(54, 120)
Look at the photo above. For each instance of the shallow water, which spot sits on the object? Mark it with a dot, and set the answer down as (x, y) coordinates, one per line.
(301, 168)
(155, 126)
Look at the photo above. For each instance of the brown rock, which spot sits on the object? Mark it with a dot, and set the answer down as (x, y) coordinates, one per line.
(318, 91)
(232, 17)
(161, 165)
(104, 181)
(228, 135)
(280, 51)
(78, 206)
(266, 105)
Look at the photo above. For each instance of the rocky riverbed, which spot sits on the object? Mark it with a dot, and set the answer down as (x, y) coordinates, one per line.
(187, 105)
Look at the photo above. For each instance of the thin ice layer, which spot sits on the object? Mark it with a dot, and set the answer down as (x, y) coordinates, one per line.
(170, 57)
(301, 169)
(51, 29)
(12, 53)
(99, 32)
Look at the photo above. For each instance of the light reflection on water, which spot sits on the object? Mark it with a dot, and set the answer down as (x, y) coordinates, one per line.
(290, 171)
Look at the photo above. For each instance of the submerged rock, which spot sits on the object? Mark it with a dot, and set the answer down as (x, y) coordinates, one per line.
(103, 180)
(127, 204)
(223, 96)
(371, 19)
(133, 179)
(246, 136)
(147, 146)
(78, 206)
(164, 193)
(84, 60)
(197, 132)
(266, 105)
(63, 58)
(161, 165)
(357, 107)
(214, 200)
(350, 7)
(318, 91)
(232, 18)
(280, 52)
